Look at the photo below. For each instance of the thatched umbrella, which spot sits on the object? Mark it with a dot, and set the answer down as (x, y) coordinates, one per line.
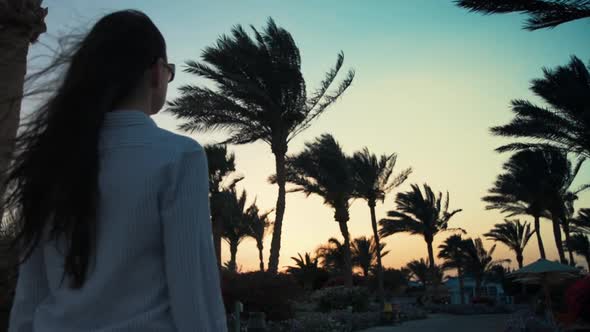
(545, 273)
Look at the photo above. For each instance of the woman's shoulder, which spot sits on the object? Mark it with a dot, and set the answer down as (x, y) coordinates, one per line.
(179, 144)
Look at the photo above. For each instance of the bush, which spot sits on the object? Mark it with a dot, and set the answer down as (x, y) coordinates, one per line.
(261, 292)
(358, 320)
(338, 298)
(310, 322)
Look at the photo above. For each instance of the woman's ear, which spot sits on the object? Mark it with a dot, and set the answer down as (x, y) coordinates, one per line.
(156, 74)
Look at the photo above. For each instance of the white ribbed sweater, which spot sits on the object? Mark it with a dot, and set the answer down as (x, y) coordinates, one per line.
(154, 268)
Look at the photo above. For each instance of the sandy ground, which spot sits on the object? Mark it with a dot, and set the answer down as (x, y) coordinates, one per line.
(452, 323)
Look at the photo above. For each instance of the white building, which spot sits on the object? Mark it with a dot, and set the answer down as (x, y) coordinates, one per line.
(492, 290)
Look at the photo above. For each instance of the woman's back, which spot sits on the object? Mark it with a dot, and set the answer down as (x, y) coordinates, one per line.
(153, 252)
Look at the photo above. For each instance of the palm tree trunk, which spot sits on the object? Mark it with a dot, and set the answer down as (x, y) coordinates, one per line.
(260, 255)
(539, 238)
(461, 285)
(347, 257)
(217, 235)
(233, 249)
(380, 286)
(478, 286)
(275, 245)
(557, 236)
(430, 275)
(430, 254)
(566, 231)
(14, 46)
(519, 259)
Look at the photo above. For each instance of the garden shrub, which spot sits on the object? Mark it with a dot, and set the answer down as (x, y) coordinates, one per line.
(338, 298)
(261, 292)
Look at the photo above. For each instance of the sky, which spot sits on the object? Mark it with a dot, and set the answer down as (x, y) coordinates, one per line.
(431, 79)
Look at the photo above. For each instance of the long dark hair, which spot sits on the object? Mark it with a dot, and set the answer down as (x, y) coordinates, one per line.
(53, 181)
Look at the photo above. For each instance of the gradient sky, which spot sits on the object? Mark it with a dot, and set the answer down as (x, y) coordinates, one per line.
(431, 80)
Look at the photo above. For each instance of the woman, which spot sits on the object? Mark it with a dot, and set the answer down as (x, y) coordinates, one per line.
(113, 212)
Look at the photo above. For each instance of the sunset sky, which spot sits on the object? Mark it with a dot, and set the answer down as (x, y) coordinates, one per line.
(431, 80)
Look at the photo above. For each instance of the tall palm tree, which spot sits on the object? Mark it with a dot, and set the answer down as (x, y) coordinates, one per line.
(372, 181)
(542, 13)
(514, 234)
(526, 188)
(479, 262)
(306, 269)
(331, 256)
(419, 213)
(324, 170)
(580, 245)
(222, 166)
(259, 224)
(21, 23)
(567, 223)
(260, 95)
(450, 251)
(561, 174)
(235, 226)
(564, 124)
(365, 254)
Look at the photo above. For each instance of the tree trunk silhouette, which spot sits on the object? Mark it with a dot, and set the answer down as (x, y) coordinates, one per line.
(347, 257)
(555, 220)
(380, 287)
(260, 254)
(233, 249)
(430, 253)
(217, 235)
(539, 238)
(14, 47)
(461, 285)
(566, 231)
(275, 245)
(519, 259)
(478, 286)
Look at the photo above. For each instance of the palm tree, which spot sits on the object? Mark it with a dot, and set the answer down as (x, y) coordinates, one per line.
(450, 251)
(580, 245)
(561, 174)
(422, 272)
(306, 269)
(567, 223)
(372, 181)
(222, 166)
(419, 270)
(542, 13)
(21, 23)
(259, 224)
(260, 95)
(331, 256)
(514, 234)
(418, 213)
(532, 184)
(235, 226)
(365, 254)
(324, 170)
(479, 262)
(564, 124)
